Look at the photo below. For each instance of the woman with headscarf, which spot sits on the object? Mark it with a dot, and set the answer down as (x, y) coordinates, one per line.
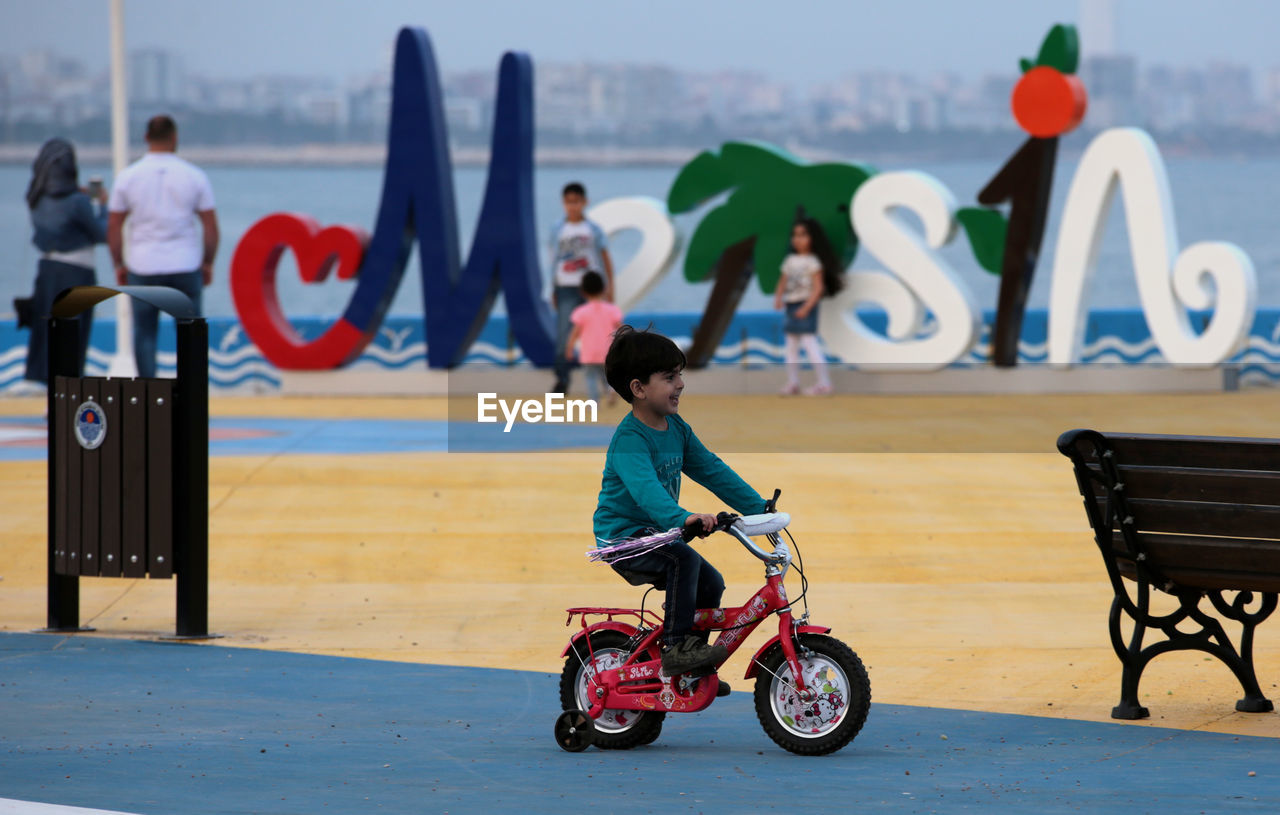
(67, 224)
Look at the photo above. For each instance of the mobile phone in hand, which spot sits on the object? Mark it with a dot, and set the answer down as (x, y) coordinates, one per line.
(95, 188)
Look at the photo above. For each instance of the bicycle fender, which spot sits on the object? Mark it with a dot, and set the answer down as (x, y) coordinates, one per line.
(605, 625)
(753, 667)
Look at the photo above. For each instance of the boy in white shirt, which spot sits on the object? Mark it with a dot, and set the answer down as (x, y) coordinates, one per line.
(578, 246)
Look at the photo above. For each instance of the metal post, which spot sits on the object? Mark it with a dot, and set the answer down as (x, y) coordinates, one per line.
(123, 363)
(64, 590)
(192, 473)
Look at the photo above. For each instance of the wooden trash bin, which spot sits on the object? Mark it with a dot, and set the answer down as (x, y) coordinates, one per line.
(129, 466)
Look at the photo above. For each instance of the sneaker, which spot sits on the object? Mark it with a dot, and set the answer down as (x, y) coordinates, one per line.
(790, 389)
(560, 386)
(691, 655)
(818, 390)
(723, 690)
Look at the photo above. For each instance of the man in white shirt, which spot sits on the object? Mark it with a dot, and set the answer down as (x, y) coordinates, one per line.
(160, 197)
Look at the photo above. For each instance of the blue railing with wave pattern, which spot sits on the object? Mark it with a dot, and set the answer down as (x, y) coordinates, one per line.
(1117, 336)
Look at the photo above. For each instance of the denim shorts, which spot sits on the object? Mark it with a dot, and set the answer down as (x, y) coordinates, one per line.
(800, 325)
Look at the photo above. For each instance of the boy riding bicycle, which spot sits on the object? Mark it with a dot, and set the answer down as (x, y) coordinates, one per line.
(640, 490)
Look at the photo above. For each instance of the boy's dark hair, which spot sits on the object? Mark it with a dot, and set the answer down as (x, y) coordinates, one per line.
(161, 128)
(639, 355)
(574, 187)
(592, 284)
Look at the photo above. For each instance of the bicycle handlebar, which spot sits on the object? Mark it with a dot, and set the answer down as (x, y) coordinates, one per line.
(731, 523)
(772, 504)
(763, 525)
(723, 520)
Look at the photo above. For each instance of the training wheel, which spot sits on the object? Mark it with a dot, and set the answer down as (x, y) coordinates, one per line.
(575, 731)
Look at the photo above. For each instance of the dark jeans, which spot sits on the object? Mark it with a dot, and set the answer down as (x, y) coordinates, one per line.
(52, 277)
(146, 317)
(692, 583)
(567, 299)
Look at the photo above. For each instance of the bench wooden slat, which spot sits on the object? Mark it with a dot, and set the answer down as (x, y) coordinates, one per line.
(1216, 453)
(1214, 581)
(1226, 580)
(1203, 518)
(1190, 484)
(1201, 560)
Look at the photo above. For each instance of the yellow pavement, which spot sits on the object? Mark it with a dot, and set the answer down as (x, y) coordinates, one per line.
(964, 579)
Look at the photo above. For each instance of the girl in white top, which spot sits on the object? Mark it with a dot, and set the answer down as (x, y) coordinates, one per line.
(805, 279)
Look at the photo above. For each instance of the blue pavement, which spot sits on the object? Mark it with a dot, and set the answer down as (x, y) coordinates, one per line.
(21, 438)
(166, 728)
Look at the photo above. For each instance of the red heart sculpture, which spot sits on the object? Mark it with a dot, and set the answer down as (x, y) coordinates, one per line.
(253, 288)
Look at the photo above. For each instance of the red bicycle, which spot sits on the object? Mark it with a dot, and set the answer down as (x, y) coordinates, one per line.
(812, 693)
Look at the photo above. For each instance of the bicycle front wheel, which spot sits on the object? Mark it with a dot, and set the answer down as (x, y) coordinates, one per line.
(832, 708)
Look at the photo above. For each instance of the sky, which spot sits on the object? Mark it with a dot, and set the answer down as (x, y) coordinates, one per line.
(811, 41)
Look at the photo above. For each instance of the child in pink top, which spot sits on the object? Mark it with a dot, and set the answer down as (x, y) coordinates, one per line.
(593, 324)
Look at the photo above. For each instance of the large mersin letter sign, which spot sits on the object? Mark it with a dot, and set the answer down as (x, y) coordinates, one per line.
(932, 318)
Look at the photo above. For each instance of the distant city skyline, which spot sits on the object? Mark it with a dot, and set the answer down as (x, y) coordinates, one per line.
(642, 107)
(333, 40)
(640, 103)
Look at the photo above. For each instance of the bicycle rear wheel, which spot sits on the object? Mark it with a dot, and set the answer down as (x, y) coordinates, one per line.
(615, 729)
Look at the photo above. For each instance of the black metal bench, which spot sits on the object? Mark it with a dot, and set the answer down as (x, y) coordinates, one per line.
(1197, 518)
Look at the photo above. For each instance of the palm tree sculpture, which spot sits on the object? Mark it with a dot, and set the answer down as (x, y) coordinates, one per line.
(750, 232)
(1047, 101)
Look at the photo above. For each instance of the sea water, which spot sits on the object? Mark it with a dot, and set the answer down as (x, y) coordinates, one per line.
(1222, 199)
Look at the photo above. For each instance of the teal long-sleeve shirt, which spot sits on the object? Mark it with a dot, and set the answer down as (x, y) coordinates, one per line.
(641, 484)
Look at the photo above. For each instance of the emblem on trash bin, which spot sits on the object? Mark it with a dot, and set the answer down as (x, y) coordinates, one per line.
(90, 425)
